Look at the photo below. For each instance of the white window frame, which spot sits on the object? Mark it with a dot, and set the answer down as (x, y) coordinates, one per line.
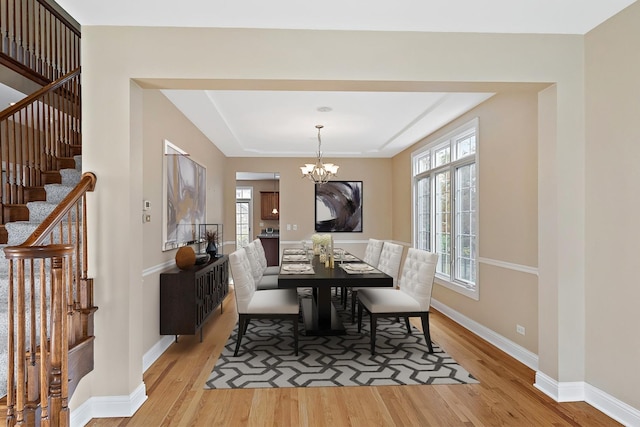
(449, 139)
(250, 201)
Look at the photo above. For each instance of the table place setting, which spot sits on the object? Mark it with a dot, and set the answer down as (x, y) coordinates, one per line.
(346, 257)
(296, 269)
(294, 251)
(358, 268)
(294, 257)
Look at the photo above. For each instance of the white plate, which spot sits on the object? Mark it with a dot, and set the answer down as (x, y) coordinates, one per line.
(358, 267)
(294, 251)
(296, 267)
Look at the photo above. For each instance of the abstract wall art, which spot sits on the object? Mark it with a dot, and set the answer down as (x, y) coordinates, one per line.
(339, 206)
(184, 198)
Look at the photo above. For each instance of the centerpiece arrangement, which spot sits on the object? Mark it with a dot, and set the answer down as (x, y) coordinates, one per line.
(323, 247)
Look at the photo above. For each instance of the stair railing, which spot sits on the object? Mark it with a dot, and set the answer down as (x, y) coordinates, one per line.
(35, 134)
(37, 41)
(50, 304)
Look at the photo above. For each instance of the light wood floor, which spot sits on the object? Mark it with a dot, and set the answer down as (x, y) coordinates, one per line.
(505, 395)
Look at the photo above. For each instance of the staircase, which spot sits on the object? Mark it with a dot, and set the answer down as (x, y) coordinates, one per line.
(46, 298)
(17, 233)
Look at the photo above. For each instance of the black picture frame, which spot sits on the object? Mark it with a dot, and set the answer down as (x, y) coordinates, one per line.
(339, 207)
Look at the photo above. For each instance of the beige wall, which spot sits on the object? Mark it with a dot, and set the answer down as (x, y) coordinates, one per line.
(161, 120)
(507, 200)
(612, 203)
(341, 60)
(297, 198)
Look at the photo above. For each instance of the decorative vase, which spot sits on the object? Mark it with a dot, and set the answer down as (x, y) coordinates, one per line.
(212, 249)
(185, 258)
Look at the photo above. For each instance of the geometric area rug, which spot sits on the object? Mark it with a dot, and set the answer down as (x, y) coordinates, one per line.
(266, 358)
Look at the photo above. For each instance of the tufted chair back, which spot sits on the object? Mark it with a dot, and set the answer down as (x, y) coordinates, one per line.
(262, 257)
(417, 276)
(243, 283)
(372, 252)
(390, 258)
(254, 261)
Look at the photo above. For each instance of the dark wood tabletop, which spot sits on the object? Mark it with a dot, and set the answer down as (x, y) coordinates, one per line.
(320, 315)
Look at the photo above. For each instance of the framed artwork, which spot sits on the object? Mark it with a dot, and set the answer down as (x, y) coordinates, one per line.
(184, 198)
(339, 206)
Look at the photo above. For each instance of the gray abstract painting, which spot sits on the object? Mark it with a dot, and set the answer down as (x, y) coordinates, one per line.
(339, 206)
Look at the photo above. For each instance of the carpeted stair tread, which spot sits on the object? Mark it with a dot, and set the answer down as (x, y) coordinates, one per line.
(38, 211)
(57, 192)
(70, 176)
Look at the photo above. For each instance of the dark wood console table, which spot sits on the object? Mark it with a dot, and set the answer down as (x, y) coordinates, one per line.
(188, 297)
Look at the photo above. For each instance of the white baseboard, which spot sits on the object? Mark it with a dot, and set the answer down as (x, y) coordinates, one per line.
(578, 391)
(109, 407)
(156, 351)
(514, 350)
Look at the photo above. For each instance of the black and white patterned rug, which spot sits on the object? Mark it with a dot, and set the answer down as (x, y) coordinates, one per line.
(266, 358)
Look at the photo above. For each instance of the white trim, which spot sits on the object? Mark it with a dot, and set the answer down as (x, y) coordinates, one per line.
(109, 407)
(581, 391)
(509, 265)
(514, 350)
(615, 408)
(159, 268)
(156, 351)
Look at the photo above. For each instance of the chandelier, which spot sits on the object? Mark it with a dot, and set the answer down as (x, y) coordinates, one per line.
(319, 172)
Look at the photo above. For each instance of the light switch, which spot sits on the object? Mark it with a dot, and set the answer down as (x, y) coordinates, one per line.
(295, 227)
(288, 227)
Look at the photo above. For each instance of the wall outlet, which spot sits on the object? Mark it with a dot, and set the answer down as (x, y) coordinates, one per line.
(520, 329)
(288, 227)
(295, 227)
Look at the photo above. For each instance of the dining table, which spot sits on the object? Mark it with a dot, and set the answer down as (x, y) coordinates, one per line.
(319, 314)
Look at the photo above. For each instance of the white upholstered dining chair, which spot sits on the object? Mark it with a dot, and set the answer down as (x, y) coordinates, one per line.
(389, 263)
(260, 304)
(411, 299)
(371, 257)
(262, 281)
(272, 270)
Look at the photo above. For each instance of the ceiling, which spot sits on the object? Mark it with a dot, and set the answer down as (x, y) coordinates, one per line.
(356, 124)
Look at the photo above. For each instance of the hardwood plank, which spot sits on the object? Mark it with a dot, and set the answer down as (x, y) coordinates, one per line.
(505, 395)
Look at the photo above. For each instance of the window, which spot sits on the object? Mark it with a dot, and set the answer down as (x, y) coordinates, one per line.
(243, 216)
(445, 209)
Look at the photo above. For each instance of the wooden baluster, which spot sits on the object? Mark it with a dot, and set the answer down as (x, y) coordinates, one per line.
(20, 156)
(27, 34)
(50, 130)
(11, 380)
(32, 129)
(20, 345)
(4, 129)
(12, 161)
(59, 347)
(65, 116)
(49, 71)
(32, 374)
(37, 146)
(44, 350)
